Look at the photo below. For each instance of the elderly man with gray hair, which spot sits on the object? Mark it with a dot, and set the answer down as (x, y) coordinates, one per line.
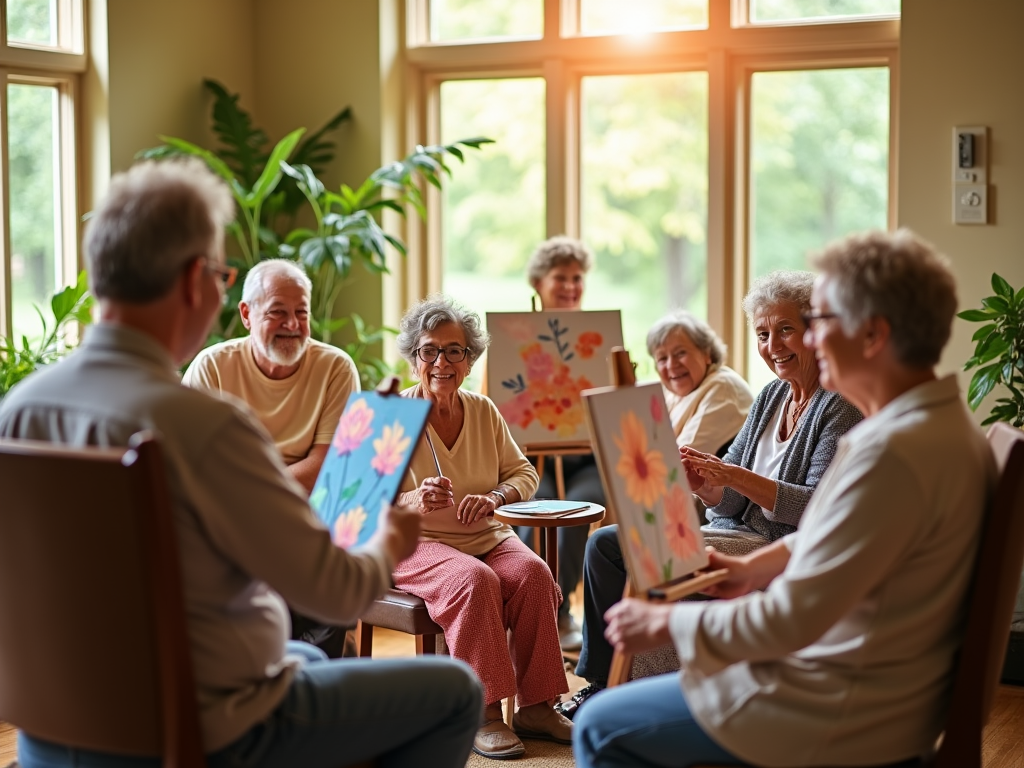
(296, 386)
(248, 541)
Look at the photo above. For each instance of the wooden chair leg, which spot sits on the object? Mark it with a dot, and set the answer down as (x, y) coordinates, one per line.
(364, 639)
(426, 644)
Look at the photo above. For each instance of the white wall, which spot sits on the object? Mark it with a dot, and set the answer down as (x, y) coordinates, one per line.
(963, 64)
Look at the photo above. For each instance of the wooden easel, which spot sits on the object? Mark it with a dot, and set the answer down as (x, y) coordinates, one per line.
(623, 376)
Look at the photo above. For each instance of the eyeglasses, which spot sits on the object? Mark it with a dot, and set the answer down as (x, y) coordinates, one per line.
(810, 318)
(430, 353)
(225, 273)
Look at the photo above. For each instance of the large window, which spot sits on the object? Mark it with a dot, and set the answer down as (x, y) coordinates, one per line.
(39, 58)
(692, 144)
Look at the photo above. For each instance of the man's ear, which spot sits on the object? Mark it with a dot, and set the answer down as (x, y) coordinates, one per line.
(243, 310)
(877, 332)
(192, 282)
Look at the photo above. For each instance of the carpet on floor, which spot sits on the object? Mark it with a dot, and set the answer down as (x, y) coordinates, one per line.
(539, 754)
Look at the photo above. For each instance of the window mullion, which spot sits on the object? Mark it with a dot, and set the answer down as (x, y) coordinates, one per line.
(6, 316)
(559, 147)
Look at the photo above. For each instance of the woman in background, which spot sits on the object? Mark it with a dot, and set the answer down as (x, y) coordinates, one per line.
(557, 272)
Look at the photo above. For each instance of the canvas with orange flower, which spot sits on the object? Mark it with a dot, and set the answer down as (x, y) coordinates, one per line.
(537, 365)
(644, 482)
(366, 462)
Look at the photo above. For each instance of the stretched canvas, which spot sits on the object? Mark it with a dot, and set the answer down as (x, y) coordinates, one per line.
(645, 483)
(537, 365)
(366, 462)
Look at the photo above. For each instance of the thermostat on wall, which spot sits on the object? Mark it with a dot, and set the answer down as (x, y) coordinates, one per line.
(970, 175)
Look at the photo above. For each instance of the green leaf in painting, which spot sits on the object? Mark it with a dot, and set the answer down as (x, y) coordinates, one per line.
(649, 517)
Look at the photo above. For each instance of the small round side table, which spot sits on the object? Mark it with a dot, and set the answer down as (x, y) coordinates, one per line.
(593, 514)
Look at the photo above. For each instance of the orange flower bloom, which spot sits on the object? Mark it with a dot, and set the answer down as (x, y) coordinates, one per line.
(682, 539)
(348, 526)
(391, 447)
(643, 555)
(643, 470)
(353, 428)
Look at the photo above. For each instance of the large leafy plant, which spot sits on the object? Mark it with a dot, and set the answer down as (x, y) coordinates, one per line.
(999, 352)
(270, 185)
(73, 304)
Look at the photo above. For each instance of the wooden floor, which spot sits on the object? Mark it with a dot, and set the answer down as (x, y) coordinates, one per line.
(1003, 745)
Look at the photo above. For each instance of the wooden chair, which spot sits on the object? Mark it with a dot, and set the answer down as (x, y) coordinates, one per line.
(990, 608)
(402, 612)
(93, 645)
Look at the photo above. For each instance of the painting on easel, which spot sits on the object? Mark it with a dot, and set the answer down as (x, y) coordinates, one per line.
(538, 364)
(366, 462)
(644, 481)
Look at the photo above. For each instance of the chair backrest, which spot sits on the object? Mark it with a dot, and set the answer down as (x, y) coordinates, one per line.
(990, 607)
(93, 645)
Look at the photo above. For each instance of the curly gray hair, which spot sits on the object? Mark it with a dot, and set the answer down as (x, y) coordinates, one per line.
(437, 310)
(897, 276)
(700, 333)
(782, 286)
(155, 218)
(554, 252)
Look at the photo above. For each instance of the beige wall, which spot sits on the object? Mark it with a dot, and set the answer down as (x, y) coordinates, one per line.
(149, 71)
(315, 57)
(963, 64)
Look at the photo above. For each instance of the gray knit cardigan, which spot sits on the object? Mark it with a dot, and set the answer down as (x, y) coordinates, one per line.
(827, 418)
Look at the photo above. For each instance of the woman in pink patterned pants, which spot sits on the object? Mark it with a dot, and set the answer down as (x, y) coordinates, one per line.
(478, 579)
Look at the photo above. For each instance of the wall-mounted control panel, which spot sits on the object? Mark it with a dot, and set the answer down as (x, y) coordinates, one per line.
(970, 174)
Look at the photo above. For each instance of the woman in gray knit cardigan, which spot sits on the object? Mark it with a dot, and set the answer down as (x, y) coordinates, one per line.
(758, 492)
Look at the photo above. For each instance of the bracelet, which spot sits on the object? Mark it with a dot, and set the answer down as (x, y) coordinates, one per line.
(504, 498)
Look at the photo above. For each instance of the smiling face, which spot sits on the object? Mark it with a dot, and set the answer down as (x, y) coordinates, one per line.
(278, 324)
(442, 378)
(561, 287)
(681, 364)
(838, 355)
(780, 343)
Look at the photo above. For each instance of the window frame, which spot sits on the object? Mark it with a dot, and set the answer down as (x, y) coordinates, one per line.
(58, 67)
(729, 52)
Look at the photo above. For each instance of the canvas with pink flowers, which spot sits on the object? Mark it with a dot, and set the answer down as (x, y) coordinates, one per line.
(366, 462)
(645, 484)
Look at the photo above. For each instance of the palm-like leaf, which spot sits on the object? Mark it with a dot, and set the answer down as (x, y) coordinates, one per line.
(242, 143)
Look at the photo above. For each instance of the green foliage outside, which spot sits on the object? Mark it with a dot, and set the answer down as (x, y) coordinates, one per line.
(32, 21)
(271, 183)
(999, 352)
(71, 305)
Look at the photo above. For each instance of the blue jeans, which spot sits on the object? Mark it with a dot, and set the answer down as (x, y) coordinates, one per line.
(643, 723)
(396, 711)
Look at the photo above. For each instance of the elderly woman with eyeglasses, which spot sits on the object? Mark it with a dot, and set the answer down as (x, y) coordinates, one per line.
(840, 647)
(475, 575)
(757, 493)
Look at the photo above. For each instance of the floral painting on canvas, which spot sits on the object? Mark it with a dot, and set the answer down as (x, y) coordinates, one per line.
(538, 364)
(366, 462)
(644, 481)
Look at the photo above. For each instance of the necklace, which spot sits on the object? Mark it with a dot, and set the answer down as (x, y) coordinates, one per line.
(798, 411)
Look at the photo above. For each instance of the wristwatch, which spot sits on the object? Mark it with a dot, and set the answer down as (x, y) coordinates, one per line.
(504, 498)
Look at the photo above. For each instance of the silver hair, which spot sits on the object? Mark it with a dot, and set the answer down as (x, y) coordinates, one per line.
(555, 252)
(700, 333)
(897, 276)
(255, 286)
(155, 218)
(783, 286)
(437, 310)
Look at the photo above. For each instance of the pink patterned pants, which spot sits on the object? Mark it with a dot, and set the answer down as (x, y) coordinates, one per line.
(475, 600)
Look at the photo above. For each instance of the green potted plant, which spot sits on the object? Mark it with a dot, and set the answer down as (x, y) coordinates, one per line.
(998, 353)
(73, 304)
(270, 186)
(999, 358)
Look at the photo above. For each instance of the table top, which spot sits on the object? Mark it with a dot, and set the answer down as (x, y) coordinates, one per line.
(593, 514)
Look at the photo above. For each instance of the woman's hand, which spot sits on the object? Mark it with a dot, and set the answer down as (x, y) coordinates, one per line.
(433, 493)
(474, 507)
(635, 626)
